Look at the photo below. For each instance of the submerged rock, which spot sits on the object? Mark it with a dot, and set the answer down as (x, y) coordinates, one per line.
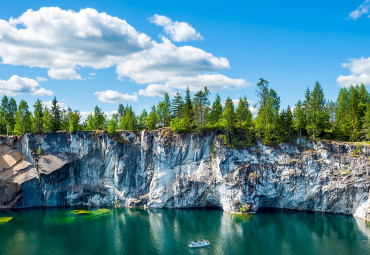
(161, 169)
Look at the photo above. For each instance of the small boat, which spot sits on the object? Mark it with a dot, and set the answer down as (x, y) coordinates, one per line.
(199, 244)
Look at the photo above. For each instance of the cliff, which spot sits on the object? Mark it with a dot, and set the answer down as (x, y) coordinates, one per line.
(163, 169)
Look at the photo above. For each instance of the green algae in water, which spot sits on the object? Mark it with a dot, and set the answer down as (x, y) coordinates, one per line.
(4, 220)
(242, 218)
(92, 213)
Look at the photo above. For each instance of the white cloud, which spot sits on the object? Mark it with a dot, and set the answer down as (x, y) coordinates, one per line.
(64, 42)
(214, 82)
(111, 96)
(61, 40)
(360, 72)
(19, 85)
(178, 31)
(86, 114)
(41, 79)
(49, 104)
(364, 8)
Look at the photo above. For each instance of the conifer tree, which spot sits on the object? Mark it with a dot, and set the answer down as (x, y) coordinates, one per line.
(201, 104)
(56, 114)
(37, 117)
(74, 120)
(341, 125)
(112, 126)
(228, 119)
(366, 125)
(128, 122)
(23, 119)
(47, 121)
(299, 122)
(99, 119)
(121, 112)
(188, 111)
(216, 112)
(142, 119)
(354, 114)
(4, 114)
(152, 119)
(177, 106)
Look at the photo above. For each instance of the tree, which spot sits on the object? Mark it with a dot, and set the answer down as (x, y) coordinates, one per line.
(47, 121)
(121, 112)
(201, 104)
(216, 112)
(228, 119)
(242, 112)
(341, 125)
(4, 114)
(37, 117)
(142, 119)
(188, 111)
(164, 111)
(152, 119)
(354, 114)
(299, 121)
(74, 120)
(11, 110)
(128, 122)
(55, 113)
(366, 125)
(112, 126)
(317, 116)
(177, 106)
(23, 119)
(99, 119)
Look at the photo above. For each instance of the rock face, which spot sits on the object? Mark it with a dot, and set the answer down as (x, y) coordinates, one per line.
(163, 169)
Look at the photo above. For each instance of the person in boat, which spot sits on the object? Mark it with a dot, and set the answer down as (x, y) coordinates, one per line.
(192, 242)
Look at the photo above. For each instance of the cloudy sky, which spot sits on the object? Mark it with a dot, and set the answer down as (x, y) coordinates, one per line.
(103, 53)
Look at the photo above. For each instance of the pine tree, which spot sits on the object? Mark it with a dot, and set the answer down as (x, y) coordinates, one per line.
(142, 119)
(317, 116)
(242, 112)
(341, 125)
(228, 119)
(177, 106)
(121, 112)
(216, 112)
(112, 126)
(354, 114)
(152, 119)
(47, 121)
(23, 119)
(99, 119)
(299, 121)
(37, 117)
(188, 111)
(11, 110)
(366, 125)
(128, 122)
(55, 113)
(164, 111)
(3, 114)
(201, 104)
(74, 120)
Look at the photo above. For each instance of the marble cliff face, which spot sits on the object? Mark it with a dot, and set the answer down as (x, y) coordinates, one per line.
(159, 169)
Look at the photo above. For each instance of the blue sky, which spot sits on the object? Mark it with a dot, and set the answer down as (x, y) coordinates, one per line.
(167, 45)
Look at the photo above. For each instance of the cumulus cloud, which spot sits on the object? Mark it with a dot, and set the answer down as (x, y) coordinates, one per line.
(86, 114)
(48, 104)
(61, 40)
(360, 72)
(111, 96)
(178, 31)
(20, 85)
(364, 8)
(195, 83)
(65, 41)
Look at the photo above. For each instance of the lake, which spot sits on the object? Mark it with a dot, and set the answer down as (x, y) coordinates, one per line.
(166, 231)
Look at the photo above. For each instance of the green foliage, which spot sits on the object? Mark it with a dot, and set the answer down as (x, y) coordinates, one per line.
(38, 151)
(244, 208)
(112, 126)
(23, 119)
(228, 120)
(177, 125)
(152, 119)
(56, 115)
(216, 112)
(128, 121)
(201, 107)
(177, 106)
(37, 117)
(74, 119)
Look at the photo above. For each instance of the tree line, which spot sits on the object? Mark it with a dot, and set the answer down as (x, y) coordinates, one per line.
(346, 119)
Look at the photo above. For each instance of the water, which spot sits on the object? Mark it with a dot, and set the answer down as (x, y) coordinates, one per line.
(136, 231)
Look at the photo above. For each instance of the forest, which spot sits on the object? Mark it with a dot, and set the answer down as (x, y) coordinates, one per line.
(347, 119)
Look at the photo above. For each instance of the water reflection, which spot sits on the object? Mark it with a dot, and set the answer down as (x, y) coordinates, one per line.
(136, 231)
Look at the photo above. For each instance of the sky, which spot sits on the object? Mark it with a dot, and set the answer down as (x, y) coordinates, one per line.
(104, 53)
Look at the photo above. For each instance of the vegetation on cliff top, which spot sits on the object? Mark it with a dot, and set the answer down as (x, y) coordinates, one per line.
(346, 119)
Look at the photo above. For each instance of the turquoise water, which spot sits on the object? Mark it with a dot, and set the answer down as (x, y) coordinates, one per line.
(136, 231)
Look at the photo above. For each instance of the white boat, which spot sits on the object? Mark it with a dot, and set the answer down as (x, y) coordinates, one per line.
(200, 244)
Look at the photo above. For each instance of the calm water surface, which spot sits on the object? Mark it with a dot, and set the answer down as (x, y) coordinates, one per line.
(135, 231)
